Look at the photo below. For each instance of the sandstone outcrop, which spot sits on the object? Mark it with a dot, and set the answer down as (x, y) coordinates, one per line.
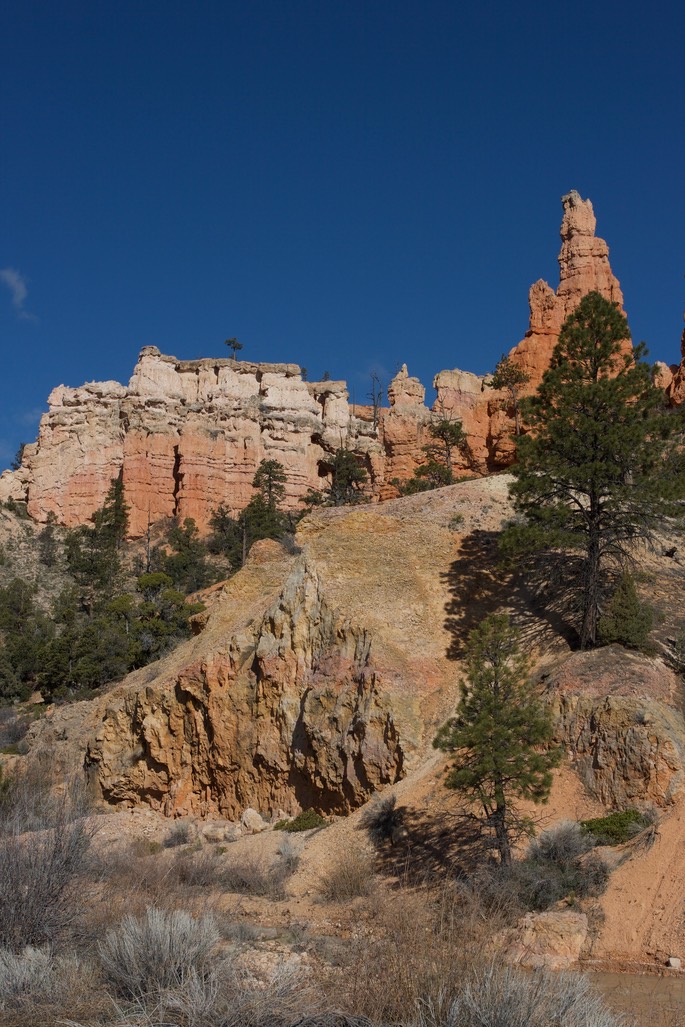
(554, 940)
(583, 267)
(486, 414)
(615, 716)
(188, 435)
(305, 688)
(404, 428)
(185, 436)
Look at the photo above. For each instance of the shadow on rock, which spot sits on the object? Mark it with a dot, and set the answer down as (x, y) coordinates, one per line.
(537, 595)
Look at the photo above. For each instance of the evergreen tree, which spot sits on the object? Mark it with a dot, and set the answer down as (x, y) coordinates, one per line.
(346, 488)
(500, 734)
(436, 470)
(93, 553)
(598, 471)
(511, 378)
(270, 481)
(48, 549)
(186, 564)
(226, 537)
(111, 520)
(25, 631)
(18, 457)
(234, 345)
(447, 435)
(263, 517)
(626, 620)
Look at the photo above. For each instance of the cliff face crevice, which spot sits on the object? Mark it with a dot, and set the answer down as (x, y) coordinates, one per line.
(289, 713)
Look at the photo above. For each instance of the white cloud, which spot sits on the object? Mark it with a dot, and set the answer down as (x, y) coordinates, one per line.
(16, 283)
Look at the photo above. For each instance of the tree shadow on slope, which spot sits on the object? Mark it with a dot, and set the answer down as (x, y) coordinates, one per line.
(536, 594)
(449, 844)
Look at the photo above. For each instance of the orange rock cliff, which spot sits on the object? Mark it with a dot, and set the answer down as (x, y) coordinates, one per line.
(188, 435)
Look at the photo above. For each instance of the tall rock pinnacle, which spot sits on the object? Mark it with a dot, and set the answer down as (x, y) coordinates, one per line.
(583, 267)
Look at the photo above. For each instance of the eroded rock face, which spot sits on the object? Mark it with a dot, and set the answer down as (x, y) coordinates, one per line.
(185, 436)
(614, 716)
(583, 267)
(487, 414)
(290, 713)
(675, 389)
(189, 435)
(554, 940)
(305, 686)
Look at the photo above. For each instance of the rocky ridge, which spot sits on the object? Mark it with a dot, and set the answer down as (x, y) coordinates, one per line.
(187, 435)
(320, 676)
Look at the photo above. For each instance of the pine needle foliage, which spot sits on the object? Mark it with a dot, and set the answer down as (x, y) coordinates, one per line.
(511, 378)
(501, 733)
(599, 470)
(626, 620)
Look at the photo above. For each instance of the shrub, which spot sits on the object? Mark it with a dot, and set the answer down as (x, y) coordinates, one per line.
(290, 855)
(180, 834)
(563, 843)
(350, 877)
(202, 868)
(383, 821)
(32, 977)
(250, 875)
(616, 828)
(44, 857)
(13, 728)
(307, 820)
(504, 997)
(161, 950)
(558, 864)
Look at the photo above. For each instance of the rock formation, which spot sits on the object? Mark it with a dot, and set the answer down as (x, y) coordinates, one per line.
(675, 387)
(583, 267)
(321, 675)
(615, 715)
(187, 435)
(304, 688)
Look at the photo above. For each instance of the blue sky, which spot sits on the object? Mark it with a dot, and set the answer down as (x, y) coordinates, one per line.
(345, 185)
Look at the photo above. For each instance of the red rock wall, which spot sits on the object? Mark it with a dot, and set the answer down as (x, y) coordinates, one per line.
(189, 435)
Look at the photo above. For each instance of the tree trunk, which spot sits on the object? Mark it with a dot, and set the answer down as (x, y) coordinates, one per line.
(499, 819)
(591, 592)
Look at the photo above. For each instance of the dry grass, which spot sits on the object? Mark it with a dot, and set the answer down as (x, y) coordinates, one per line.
(351, 876)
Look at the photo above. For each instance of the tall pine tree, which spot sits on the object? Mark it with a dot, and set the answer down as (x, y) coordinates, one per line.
(598, 471)
(501, 734)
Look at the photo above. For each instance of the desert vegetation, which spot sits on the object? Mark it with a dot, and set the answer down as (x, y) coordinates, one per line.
(151, 935)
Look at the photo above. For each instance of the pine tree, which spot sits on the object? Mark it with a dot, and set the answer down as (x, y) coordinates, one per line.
(511, 378)
(111, 520)
(347, 485)
(598, 471)
(270, 480)
(186, 564)
(436, 470)
(501, 734)
(263, 517)
(626, 620)
(234, 345)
